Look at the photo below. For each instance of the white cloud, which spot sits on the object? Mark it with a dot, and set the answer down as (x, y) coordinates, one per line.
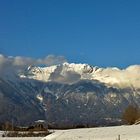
(66, 77)
(9, 64)
(129, 77)
(52, 60)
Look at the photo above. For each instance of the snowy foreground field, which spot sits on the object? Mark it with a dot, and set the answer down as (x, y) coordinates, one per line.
(102, 133)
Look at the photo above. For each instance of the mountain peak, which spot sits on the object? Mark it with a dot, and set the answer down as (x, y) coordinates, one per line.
(111, 76)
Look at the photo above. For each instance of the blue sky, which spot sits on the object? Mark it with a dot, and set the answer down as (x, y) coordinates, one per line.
(98, 32)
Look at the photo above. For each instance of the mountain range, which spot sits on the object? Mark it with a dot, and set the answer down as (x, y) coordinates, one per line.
(69, 94)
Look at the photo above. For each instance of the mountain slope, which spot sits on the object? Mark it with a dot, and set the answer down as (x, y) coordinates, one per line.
(18, 103)
(86, 102)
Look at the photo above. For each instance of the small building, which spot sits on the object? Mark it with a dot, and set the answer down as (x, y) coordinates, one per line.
(40, 124)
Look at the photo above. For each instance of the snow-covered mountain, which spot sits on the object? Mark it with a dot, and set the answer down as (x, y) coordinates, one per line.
(73, 94)
(70, 73)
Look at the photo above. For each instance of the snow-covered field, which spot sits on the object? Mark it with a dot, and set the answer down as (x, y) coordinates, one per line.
(102, 133)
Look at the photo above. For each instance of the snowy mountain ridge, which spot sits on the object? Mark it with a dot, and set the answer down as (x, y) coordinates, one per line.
(71, 72)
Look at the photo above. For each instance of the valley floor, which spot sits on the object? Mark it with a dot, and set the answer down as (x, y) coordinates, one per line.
(102, 133)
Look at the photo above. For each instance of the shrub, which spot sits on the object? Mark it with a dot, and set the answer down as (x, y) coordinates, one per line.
(131, 114)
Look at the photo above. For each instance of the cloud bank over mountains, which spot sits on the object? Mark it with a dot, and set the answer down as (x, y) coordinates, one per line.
(70, 73)
(128, 77)
(18, 63)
